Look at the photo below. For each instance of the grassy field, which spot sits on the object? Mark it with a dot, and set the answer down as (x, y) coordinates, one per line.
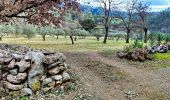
(90, 44)
(64, 45)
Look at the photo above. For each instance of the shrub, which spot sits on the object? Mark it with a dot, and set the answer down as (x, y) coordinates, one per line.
(128, 49)
(159, 38)
(137, 44)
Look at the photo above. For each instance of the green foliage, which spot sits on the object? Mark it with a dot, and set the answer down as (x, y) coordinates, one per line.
(118, 36)
(80, 32)
(87, 22)
(167, 38)
(137, 44)
(29, 31)
(23, 98)
(59, 31)
(18, 30)
(152, 39)
(98, 32)
(45, 30)
(162, 56)
(128, 49)
(159, 38)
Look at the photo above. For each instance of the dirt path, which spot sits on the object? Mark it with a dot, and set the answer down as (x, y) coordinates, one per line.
(141, 81)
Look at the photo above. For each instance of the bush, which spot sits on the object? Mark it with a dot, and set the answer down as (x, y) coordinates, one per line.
(128, 49)
(137, 44)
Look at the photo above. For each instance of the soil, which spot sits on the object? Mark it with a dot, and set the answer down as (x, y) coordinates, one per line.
(111, 79)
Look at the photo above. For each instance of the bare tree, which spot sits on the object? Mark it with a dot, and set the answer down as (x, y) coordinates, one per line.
(142, 9)
(108, 6)
(129, 18)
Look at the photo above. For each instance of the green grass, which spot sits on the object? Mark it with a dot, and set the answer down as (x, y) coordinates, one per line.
(162, 56)
(64, 45)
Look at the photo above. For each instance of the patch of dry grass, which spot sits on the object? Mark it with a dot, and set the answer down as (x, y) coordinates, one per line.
(64, 45)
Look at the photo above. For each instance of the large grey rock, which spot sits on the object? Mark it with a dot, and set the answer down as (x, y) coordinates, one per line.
(14, 87)
(66, 76)
(37, 69)
(54, 64)
(16, 79)
(14, 71)
(17, 57)
(23, 65)
(1, 61)
(11, 64)
(162, 49)
(1, 55)
(57, 77)
(26, 92)
(50, 59)
(47, 81)
(7, 60)
(28, 57)
(56, 70)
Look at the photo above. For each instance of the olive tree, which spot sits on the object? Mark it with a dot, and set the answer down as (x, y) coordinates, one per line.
(58, 31)
(46, 30)
(81, 33)
(29, 31)
(98, 33)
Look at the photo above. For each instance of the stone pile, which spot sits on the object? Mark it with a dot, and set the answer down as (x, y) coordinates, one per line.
(29, 71)
(135, 55)
(160, 49)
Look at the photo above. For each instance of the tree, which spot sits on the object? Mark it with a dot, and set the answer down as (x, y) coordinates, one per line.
(142, 9)
(70, 29)
(39, 12)
(43, 31)
(87, 22)
(129, 18)
(81, 33)
(108, 7)
(58, 31)
(29, 31)
(98, 33)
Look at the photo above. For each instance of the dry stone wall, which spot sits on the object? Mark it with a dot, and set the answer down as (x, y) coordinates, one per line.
(28, 71)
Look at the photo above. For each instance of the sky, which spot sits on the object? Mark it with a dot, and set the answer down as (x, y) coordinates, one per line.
(155, 5)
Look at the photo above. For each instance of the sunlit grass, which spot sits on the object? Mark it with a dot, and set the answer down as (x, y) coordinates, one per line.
(64, 44)
(162, 56)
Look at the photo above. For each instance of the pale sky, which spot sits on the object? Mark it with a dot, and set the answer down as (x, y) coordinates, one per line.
(156, 5)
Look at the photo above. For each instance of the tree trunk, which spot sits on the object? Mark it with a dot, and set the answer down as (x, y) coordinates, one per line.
(105, 37)
(75, 38)
(98, 38)
(43, 36)
(146, 35)
(128, 35)
(57, 37)
(0, 38)
(72, 41)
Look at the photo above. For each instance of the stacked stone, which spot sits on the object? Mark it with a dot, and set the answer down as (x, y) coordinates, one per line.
(14, 70)
(56, 75)
(21, 71)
